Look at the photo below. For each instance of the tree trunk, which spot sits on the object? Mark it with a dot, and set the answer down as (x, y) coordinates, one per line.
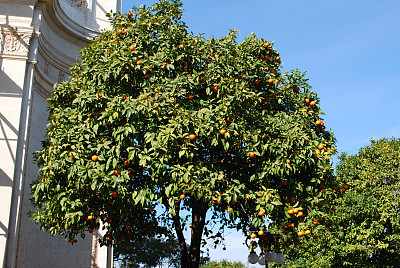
(199, 212)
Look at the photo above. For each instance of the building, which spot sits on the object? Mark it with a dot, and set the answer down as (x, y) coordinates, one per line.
(39, 42)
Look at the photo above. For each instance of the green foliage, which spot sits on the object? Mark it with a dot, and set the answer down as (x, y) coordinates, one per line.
(150, 252)
(364, 231)
(223, 264)
(140, 91)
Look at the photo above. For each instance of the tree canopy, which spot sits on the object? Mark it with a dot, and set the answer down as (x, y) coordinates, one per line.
(364, 230)
(156, 121)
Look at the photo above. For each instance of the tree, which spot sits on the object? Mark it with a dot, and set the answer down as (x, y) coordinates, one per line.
(156, 121)
(364, 230)
(150, 252)
(223, 264)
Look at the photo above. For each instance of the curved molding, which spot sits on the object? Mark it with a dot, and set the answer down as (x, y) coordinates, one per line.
(14, 42)
(80, 31)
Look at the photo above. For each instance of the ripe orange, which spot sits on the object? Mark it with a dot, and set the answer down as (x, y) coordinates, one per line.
(291, 225)
(252, 155)
(266, 44)
(321, 146)
(290, 211)
(215, 89)
(223, 131)
(190, 96)
(90, 217)
(261, 213)
(163, 67)
(71, 156)
(182, 196)
(270, 80)
(138, 62)
(125, 97)
(253, 236)
(114, 194)
(295, 210)
(192, 137)
(126, 163)
(125, 30)
(300, 214)
(247, 197)
(287, 161)
(95, 158)
(300, 233)
(315, 222)
(278, 58)
(307, 232)
(318, 122)
(100, 95)
(256, 81)
(132, 48)
(261, 233)
(216, 55)
(119, 31)
(313, 103)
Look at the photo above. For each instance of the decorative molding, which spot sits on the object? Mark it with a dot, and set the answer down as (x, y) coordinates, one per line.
(78, 4)
(61, 76)
(13, 43)
(41, 90)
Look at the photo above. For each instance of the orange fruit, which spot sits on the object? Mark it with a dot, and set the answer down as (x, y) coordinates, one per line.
(313, 103)
(318, 122)
(321, 146)
(190, 96)
(270, 80)
(163, 67)
(315, 222)
(295, 210)
(300, 233)
(90, 217)
(100, 95)
(95, 158)
(119, 31)
(261, 213)
(223, 131)
(256, 81)
(300, 214)
(114, 194)
(138, 62)
(266, 44)
(307, 100)
(284, 182)
(132, 48)
(125, 97)
(192, 137)
(278, 58)
(287, 161)
(126, 163)
(290, 211)
(307, 232)
(71, 156)
(253, 236)
(182, 196)
(247, 197)
(261, 233)
(252, 155)
(266, 57)
(125, 30)
(216, 55)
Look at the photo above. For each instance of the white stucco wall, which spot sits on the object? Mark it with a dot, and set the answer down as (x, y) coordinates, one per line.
(63, 27)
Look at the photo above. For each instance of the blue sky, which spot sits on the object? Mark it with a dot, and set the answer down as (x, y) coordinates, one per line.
(350, 50)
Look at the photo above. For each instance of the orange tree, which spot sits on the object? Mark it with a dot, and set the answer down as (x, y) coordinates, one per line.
(156, 121)
(364, 230)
